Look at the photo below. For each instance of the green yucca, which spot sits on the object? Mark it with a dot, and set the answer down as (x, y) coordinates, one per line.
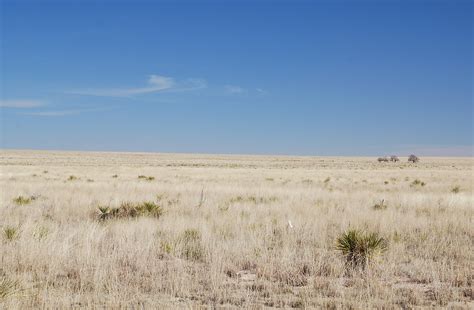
(104, 212)
(130, 210)
(10, 233)
(7, 287)
(20, 200)
(359, 248)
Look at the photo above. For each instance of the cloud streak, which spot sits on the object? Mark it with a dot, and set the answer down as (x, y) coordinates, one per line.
(55, 113)
(155, 83)
(21, 103)
(233, 89)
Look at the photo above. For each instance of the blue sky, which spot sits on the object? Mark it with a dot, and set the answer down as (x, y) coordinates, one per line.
(261, 77)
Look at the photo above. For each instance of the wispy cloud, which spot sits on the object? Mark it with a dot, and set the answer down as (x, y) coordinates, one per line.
(58, 112)
(156, 83)
(21, 103)
(233, 89)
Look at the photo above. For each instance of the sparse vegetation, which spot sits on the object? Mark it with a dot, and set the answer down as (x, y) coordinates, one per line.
(394, 158)
(251, 243)
(382, 159)
(72, 178)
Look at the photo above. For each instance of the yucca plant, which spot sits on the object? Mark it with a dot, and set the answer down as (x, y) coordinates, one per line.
(104, 212)
(20, 200)
(360, 248)
(10, 233)
(7, 287)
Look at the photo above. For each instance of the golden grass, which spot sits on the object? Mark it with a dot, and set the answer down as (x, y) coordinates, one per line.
(233, 231)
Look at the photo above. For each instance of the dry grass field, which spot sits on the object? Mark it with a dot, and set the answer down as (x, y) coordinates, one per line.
(135, 230)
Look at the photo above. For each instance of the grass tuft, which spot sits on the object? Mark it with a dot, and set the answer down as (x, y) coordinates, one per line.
(192, 248)
(380, 206)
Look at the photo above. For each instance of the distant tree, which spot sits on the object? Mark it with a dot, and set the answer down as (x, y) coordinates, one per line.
(382, 159)
(394, 158)
(412, 158)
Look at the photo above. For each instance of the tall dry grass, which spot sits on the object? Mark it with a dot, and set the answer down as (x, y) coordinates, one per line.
(234, 231)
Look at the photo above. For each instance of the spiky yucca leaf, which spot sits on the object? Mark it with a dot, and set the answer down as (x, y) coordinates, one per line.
(7, 287)
(360, 248)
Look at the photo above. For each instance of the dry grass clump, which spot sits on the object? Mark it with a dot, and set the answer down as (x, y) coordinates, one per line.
(192, 248)
(360, 248)
(72, 178)
(21, 200)
(253, 199)
(456, 189)
(130, 210)
(380, 206)
(146, 178)
(417, 182)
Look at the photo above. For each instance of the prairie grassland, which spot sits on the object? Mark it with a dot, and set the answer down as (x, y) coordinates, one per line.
(232, 231)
